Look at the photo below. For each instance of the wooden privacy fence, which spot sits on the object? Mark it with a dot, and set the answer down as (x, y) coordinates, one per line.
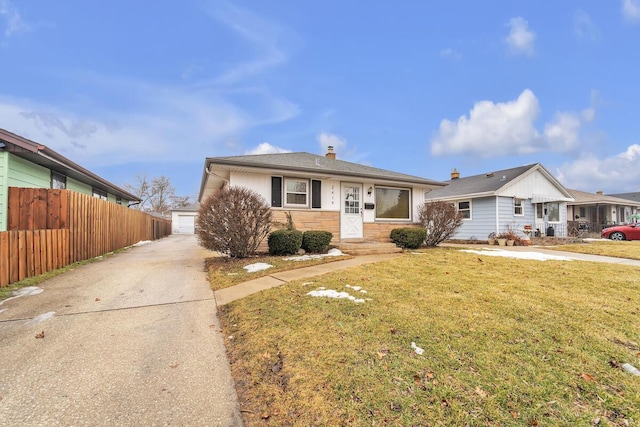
(48, 229)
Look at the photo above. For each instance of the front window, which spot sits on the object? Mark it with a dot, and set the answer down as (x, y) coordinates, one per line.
(100, 194)
(296, 192)
(58, 181)
(464, 207)
(393, 203)
(518, 208)
(553, 212)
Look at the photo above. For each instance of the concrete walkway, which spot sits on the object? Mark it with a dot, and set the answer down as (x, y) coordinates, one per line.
(230, 294)
(132, 340)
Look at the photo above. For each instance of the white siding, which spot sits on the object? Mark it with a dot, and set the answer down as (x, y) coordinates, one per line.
(259, 183)
(533, 183)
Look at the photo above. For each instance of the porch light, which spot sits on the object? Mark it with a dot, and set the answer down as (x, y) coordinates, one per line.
(370, 190)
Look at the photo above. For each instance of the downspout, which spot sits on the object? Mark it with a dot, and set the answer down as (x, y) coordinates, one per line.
(497, 216)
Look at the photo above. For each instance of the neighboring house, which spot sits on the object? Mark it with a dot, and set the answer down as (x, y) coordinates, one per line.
(629, 196)
(24, 163)
(507, 199)
(352, 201)
(594, 211)
(183, 219)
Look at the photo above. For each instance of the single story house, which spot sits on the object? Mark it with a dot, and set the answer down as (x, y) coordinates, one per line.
(635, 196)
(183, 219)
(594, 211)
(352, 201)
(507, 199)
(27, 164)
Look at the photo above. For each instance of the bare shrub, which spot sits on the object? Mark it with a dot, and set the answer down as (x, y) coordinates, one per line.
(234, 221)
(440, 219)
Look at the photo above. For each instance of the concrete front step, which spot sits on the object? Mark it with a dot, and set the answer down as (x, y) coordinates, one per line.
(368, 248)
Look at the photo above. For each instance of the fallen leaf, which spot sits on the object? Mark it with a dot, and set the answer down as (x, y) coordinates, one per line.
(173, 366)
(265, 416)
(472, 329)
(97, 299)
(481, 392)
(40, 335)
(586, 377)
(515, 414)
(429, 375)
(392, 330)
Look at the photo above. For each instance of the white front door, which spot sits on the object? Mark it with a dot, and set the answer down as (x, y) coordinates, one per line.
(351, 226)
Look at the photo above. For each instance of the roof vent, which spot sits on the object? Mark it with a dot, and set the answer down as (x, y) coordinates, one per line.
(490, 174)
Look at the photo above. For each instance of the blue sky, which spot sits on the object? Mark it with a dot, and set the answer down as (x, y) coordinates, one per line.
(154, 87)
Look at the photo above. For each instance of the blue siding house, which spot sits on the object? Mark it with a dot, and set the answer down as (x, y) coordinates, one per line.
(507, 199)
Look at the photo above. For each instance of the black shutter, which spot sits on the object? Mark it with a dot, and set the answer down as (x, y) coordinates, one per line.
(276, 191)
(316, 194)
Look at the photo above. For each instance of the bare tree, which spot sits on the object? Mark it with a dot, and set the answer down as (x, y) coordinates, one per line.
(156, 194)
(440, 219)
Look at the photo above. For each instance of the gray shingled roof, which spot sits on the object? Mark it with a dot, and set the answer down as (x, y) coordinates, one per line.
(628, 196)
(306, 162)
(487, 183)
(584, 198)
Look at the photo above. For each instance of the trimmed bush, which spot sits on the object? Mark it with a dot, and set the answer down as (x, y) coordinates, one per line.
(408, 237)
(233, 221)
(316, 241)
(284, 242)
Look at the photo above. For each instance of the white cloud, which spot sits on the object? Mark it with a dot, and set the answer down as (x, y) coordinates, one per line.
(491, 129)
(631, 10)
(508, 128)
(12, 20)
(520, 38)
(264, 37)
(450, 53)
(583, 26)
(266, 148)
(326, 139)
(615, 174)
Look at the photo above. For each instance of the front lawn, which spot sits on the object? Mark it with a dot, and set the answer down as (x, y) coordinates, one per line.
(225, 271)
(624, 249)
(442, 338)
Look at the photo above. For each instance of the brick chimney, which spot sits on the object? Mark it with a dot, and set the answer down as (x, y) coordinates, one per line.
(330, 153)
(599, 192)
(455, 174)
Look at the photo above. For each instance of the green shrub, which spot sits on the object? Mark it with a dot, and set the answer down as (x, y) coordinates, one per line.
(408, 237)
(284, 242)
(316, 241)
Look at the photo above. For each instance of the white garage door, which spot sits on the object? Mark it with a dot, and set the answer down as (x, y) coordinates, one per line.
(186, 224)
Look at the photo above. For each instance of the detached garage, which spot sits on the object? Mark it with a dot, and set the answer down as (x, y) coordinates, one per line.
(184, 219)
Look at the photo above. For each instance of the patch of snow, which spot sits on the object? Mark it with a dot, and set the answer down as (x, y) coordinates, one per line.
(23, 292)
(308, 283)
(258, 266)
(331, 293)
(142, 242)
(4, 309)
(536, 256)
(355, 288)
(332, 252)
(417, 349)
(41, 318)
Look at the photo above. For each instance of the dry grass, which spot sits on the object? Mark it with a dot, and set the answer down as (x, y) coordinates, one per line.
(506, 342)
(629, 250)
(225, 272)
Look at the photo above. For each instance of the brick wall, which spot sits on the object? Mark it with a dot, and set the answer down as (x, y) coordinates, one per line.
(307, 220)
(380, 231)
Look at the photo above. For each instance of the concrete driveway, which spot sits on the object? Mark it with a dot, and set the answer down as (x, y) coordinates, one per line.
(130, 340)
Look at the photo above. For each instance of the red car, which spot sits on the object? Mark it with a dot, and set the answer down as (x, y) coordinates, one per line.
(622, 232)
